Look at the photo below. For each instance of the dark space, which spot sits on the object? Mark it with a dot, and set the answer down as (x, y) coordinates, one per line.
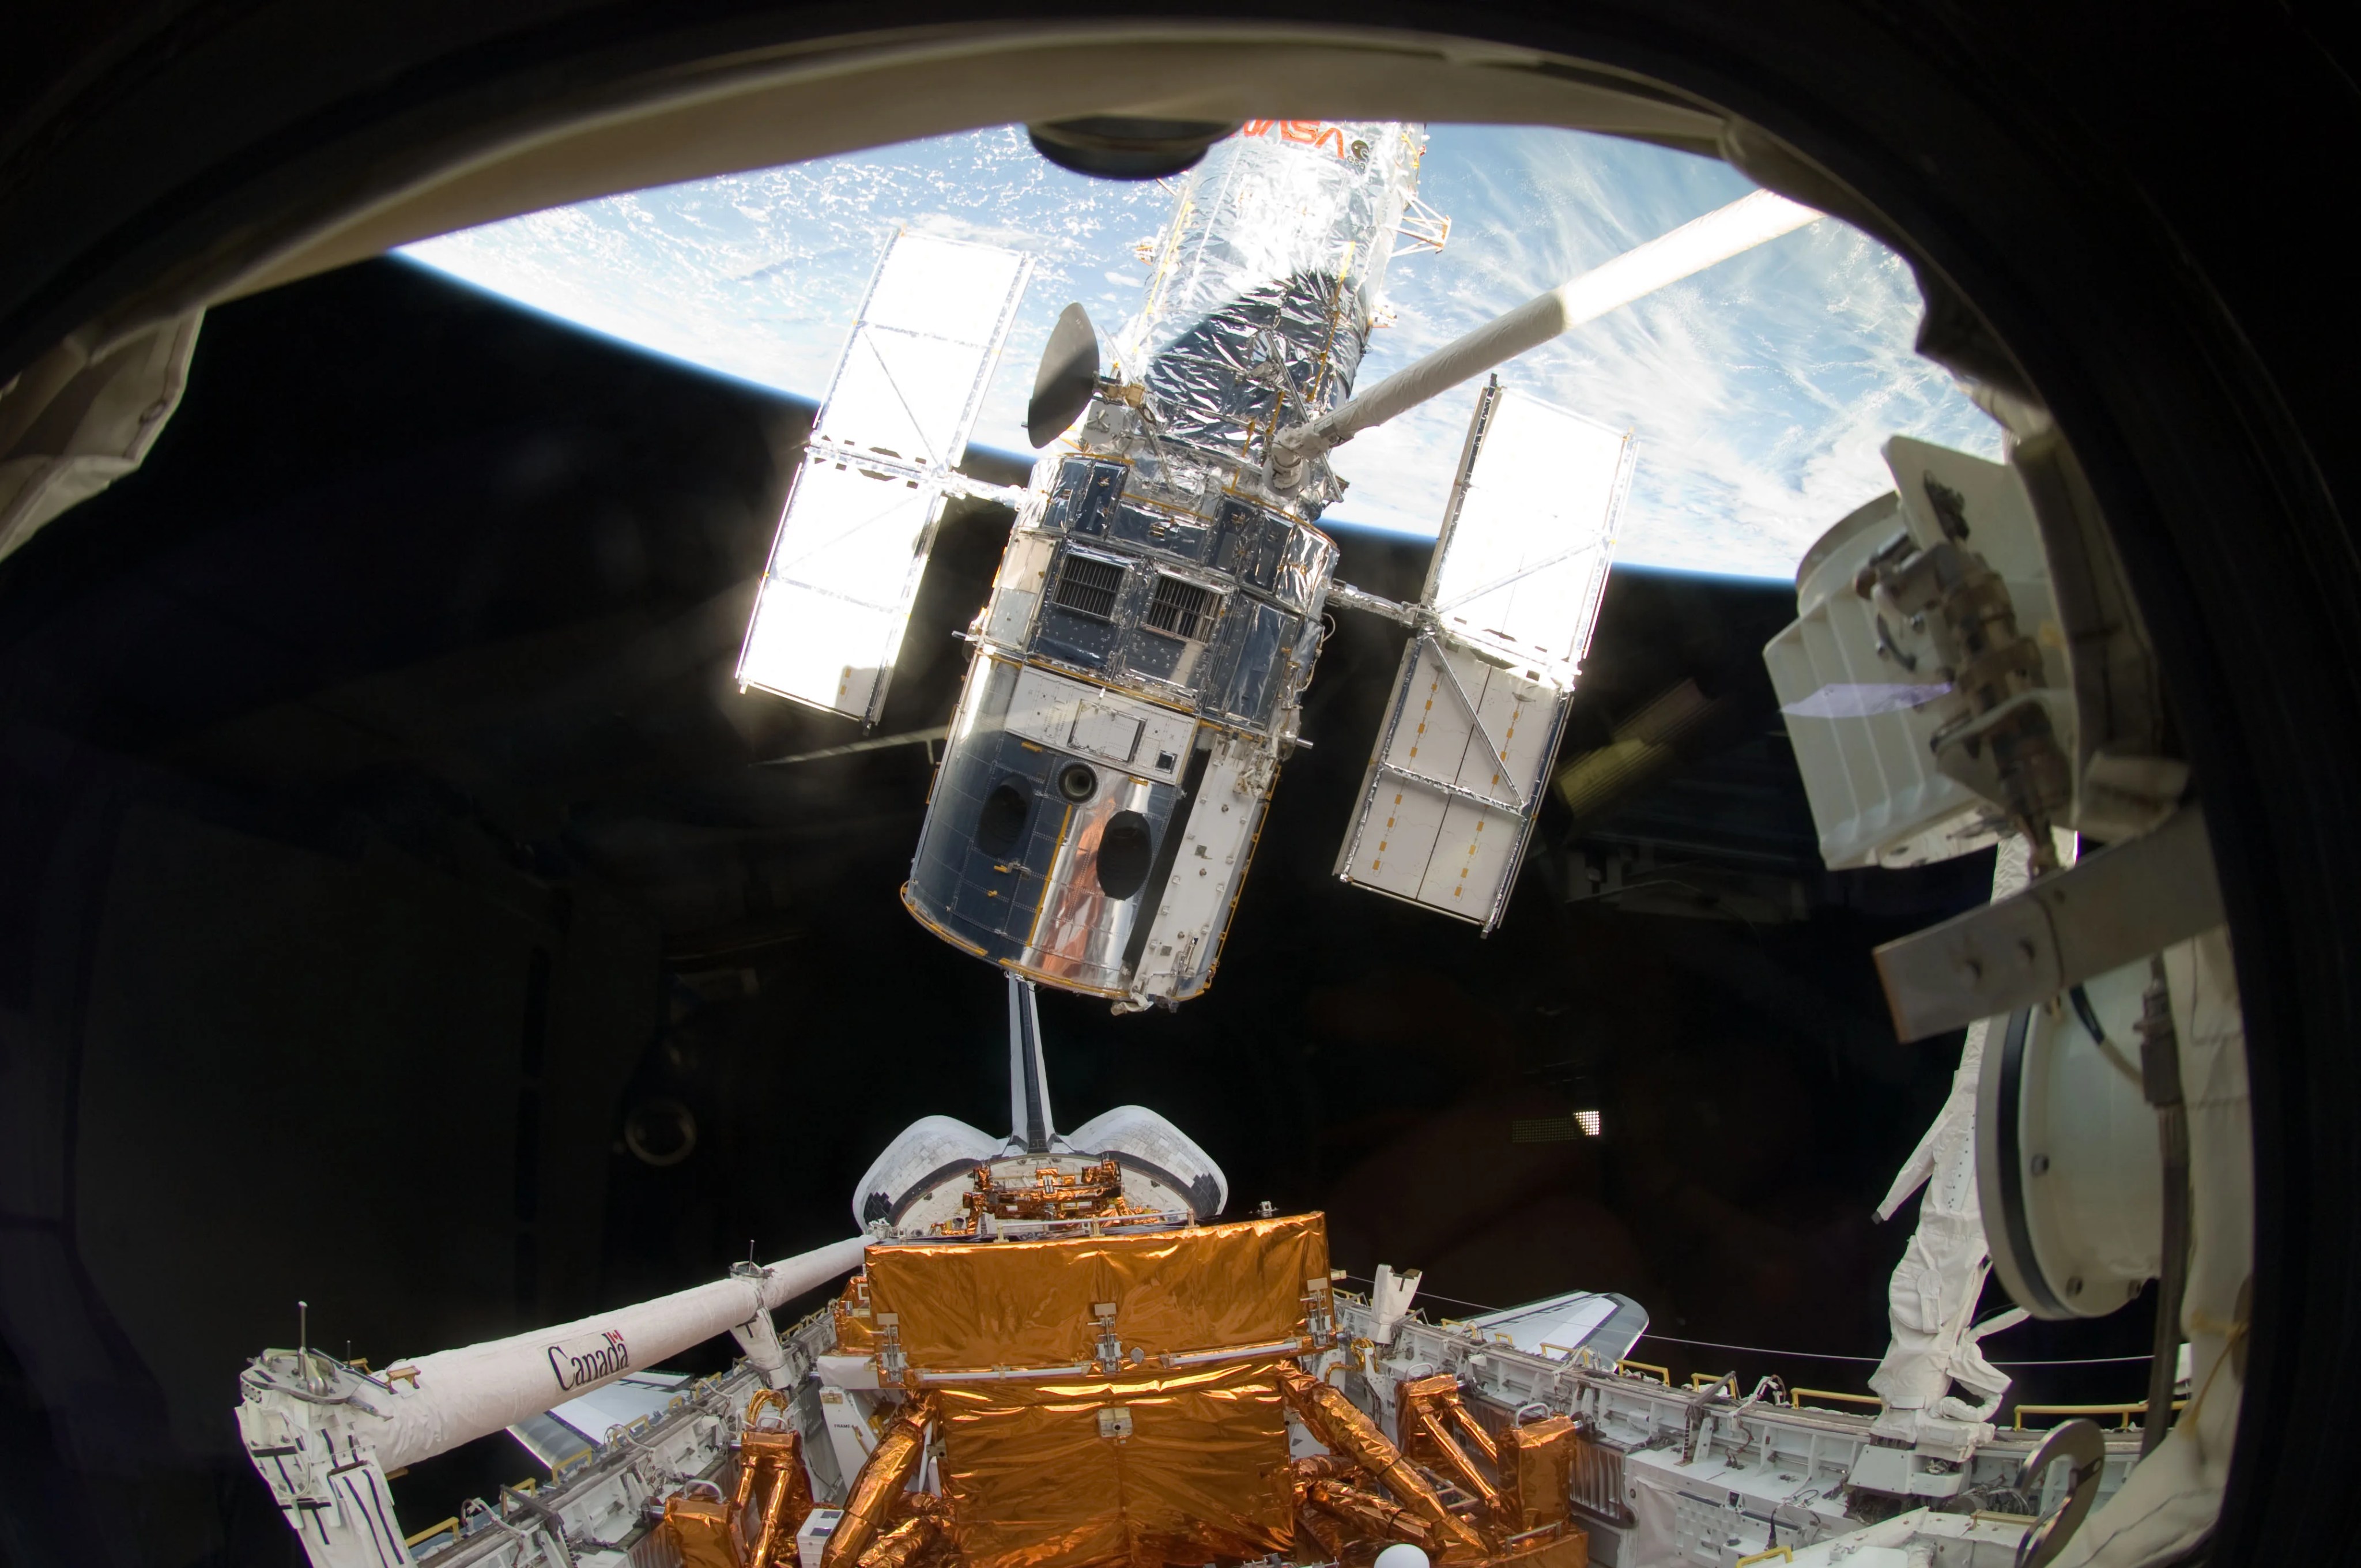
(394, 914)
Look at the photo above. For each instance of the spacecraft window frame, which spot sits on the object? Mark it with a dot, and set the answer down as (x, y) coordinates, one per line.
(1953, 219)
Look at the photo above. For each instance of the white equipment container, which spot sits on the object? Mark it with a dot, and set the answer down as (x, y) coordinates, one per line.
(1862, 696)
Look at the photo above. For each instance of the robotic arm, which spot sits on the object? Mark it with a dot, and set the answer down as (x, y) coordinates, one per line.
(325, 1435)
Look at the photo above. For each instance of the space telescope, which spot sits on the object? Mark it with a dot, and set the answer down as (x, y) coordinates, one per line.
(1136, 679)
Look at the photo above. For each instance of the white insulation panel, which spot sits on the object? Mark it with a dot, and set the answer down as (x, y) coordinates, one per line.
(1075, 716)
(1193, 905)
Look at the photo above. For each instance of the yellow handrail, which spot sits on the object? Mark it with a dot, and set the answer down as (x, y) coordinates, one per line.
(1707, 1380)
(1796, 1397)
(1787, 1552)
(2126, 1411)
(1664, 1373)
(431, 1531)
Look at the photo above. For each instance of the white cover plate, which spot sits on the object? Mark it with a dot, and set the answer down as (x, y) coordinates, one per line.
(1115, 736)
(1072, 716)
(1524, 556)
(1428, 845)
(828, 624)
(1193, 907)
(920, 357)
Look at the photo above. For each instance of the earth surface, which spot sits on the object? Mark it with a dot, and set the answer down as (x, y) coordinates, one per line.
(1761, 391)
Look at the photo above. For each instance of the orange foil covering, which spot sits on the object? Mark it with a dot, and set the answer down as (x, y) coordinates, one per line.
(1142, 1464)
(1568, 1549)
(701, 1530)
(856, 1330)
(1536, 1467)
(915, 1539)
(1431, 1420)
(1368, 1512)
(1033, 1481)
(1341, 1428)
(964, 1306)
(877, 1490)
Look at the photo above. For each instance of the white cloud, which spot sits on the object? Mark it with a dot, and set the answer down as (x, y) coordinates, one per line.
(1759, 390)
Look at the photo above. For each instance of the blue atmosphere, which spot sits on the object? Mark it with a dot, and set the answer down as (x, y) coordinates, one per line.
(1760, 391)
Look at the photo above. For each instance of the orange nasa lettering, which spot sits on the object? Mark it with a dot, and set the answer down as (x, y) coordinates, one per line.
(1317, 133)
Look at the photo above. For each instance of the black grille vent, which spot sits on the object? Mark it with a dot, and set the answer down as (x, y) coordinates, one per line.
(1088, 586)
(1181, 609)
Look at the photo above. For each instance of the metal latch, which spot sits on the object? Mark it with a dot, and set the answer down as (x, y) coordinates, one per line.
(1110, 1344)
(1114, 1422)
(1319, 1320)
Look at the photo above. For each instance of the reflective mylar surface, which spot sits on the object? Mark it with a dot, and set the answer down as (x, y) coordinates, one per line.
(1259, 304)
(1028, 1304)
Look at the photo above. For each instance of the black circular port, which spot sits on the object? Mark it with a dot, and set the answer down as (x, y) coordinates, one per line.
(1076, 782)
(660, 1131)
(1110, 146)
(1001, 825)
(1126, 847)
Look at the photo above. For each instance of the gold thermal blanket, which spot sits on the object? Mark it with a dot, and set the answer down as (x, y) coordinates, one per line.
(1142, 1465)
(965, 1305)
(1536, 1464)
(1032, 1479)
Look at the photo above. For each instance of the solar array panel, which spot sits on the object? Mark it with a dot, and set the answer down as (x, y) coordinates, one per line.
(862, 510)
(1456, 778)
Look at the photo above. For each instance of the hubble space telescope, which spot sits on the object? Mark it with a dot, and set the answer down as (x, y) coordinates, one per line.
(1136, 676)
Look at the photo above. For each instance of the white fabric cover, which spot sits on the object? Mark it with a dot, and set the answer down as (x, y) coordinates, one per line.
(1932, 1297)
(83, 415)
(2173, 1496)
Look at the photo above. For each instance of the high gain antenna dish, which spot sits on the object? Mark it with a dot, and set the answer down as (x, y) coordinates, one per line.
(1069, 370)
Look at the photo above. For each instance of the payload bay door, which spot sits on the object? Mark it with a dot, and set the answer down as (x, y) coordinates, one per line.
(861, 512)
(1457, 776)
